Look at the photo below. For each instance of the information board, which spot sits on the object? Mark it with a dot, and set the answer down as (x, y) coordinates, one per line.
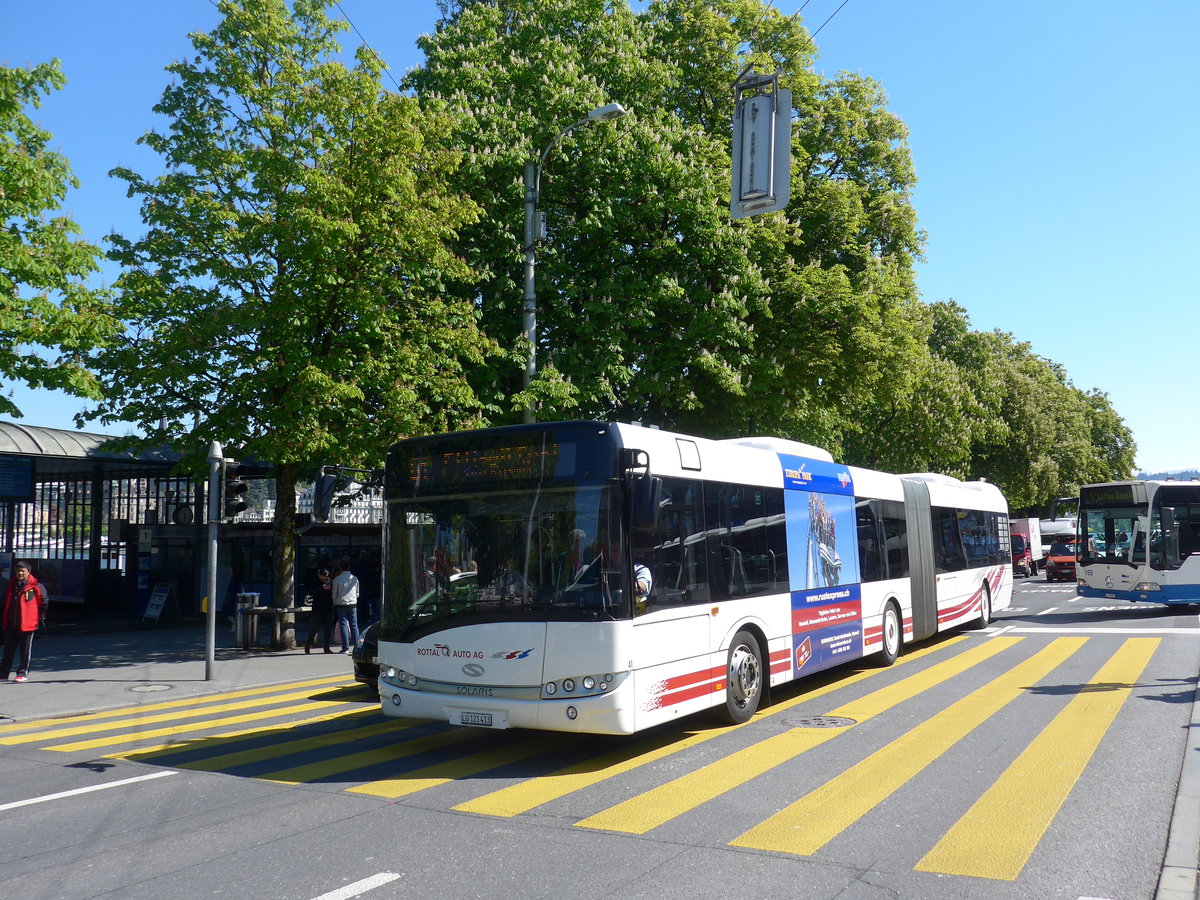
(16, 478)
(158, 600)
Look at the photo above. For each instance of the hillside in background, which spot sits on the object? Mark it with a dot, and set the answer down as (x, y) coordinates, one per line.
(1178, 475)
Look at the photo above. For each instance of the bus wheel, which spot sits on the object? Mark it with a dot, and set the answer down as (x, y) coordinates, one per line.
(893, 637)
(985, 609)
(744, 682)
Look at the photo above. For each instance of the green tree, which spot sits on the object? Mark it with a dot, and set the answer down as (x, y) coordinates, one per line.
(46, 306)
(652, 303)
(1029, 429)
(289, 297)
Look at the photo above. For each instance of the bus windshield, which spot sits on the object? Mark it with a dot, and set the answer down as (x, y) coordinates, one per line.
(551, 553)
(1113, 535)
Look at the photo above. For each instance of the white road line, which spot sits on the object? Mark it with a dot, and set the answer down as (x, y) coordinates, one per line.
(86, 790)
(1072, 630)
(1000, 631)
(360, 887)
(1046, 612)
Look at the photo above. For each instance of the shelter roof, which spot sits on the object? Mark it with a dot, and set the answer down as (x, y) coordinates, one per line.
(58, 453)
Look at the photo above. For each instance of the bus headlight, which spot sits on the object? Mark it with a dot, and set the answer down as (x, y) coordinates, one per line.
(1147, 586)
(583, 685)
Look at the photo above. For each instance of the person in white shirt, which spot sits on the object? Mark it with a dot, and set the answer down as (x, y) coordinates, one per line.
(345, 604)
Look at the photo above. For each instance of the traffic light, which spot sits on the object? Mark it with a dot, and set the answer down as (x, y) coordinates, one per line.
(323, 492)
(233, 498)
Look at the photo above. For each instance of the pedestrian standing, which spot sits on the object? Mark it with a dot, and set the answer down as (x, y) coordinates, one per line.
(24, 606)
(321, 620)
(345, 603)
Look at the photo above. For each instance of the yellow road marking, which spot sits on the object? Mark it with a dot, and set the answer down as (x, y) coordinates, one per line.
(134, 736)
(648, 810)
(441, 773)
(324, 768)
(814, 820)
(524, 796)
(138, 720)
(996, 837)
(169, 704)
(174, 748)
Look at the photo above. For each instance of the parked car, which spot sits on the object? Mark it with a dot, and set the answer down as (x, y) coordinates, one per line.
(366, 657)
(1060, 562)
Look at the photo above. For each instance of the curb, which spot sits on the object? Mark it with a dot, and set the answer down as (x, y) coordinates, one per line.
(1180, 876)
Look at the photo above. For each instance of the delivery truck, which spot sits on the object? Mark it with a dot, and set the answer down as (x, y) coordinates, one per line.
(1027, 553)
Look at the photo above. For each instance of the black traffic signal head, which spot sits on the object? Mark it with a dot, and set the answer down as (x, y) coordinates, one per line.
(323, 493)
(233, 499)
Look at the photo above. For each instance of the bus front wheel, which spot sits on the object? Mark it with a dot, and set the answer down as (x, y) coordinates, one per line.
(744, 678)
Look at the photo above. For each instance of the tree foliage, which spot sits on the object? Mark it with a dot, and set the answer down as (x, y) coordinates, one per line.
(46, 306)
(653, 305)
(289, 297)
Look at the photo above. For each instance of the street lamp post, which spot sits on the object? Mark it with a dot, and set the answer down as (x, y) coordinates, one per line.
(216, 462)
(533, 183)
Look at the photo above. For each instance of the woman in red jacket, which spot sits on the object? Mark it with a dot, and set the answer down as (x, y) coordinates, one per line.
(24, 602)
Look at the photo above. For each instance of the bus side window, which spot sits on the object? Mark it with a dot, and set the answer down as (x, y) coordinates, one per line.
(895, 538)
(948, 551)
(776, 534)
(739, 559)
(674, 551)
(870, 557)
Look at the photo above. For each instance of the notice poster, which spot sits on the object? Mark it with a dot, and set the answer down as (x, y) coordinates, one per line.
(824, 570)
(826, 627)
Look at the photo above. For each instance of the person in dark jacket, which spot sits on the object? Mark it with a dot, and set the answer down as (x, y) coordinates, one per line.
(322, 611)
(24, 605)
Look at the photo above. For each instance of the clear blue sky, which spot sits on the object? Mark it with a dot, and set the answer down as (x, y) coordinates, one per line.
(1055, 144)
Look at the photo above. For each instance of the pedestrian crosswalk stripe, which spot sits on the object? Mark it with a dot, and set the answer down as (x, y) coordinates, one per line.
(137, 736)
(999, 833)
(339, 765)
(464, 767)
(181, 703)
(264, 752)
(650, 809)
(136, 717)
(524, 796)
(807, 825)
(173, 749)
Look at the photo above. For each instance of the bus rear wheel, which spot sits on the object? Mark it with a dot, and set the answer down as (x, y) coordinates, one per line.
(744, 679)
(893, 636)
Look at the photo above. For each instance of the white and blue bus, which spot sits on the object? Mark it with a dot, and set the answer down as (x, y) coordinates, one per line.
(606, 578)
(1139, 541)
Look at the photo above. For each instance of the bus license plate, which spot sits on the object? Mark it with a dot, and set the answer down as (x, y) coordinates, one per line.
(482, 719)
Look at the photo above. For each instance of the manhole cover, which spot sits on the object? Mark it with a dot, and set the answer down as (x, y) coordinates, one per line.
(150, 688)
(820, 722)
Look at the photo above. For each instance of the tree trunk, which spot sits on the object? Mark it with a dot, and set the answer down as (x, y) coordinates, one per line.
(285, 550)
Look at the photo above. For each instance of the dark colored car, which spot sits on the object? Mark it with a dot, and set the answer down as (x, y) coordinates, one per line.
(1060, 562)
(366, 657)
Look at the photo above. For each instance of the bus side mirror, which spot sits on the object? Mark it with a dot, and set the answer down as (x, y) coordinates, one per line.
(1168, 520)
(647, 497)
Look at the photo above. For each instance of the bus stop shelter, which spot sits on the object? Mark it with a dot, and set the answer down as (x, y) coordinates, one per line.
(88, 515)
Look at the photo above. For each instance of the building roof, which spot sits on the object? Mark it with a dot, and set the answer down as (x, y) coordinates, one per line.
(58, 453)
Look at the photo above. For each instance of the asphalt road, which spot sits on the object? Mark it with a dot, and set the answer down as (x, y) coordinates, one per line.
(1037, 759)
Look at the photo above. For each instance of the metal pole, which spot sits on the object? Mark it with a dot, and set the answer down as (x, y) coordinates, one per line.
(529, 318)
(216, 462)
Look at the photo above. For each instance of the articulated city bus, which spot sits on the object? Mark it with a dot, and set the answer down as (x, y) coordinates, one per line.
(1140, 541)
(605, 578)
